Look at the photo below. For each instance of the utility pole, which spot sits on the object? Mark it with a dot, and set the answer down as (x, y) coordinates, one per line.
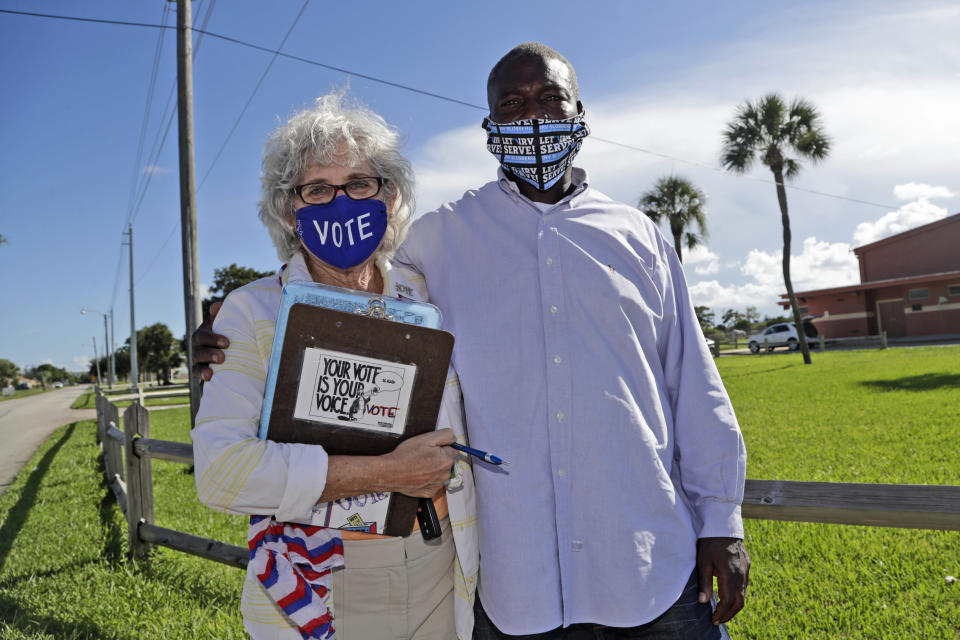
(134, 373)
(97, 360)
(106, 345)
(188, 195)
(112, 347)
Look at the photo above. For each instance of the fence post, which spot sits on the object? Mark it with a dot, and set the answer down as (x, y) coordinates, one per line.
(136, 422)
(883, 339)
(112, 457)
(822, 342)
(101, 429)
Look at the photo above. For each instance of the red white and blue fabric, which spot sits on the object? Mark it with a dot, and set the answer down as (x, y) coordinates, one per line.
(294, 563)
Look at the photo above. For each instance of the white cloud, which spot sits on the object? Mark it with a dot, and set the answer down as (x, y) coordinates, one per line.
(910, 215)
(916, 191)
(719, 297)
(154, 169)
(450, 162)
(204, 292)
(80, 363)
(704, 261)
(817, 266)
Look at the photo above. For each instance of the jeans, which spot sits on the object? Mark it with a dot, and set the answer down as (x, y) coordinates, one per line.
(686, 619)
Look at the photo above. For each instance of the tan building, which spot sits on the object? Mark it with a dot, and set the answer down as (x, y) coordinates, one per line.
(909, 286)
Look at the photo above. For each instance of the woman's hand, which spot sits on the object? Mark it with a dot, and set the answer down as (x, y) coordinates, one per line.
(422, 464)
(418, 467)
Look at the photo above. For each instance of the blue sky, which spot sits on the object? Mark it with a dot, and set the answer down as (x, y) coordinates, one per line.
(663, 77)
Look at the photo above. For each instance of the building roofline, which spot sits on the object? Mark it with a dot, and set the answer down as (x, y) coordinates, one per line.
(877, 284)
(909, 232)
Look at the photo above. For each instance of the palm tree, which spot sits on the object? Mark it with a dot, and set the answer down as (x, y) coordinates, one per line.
(769, 130)
(681, 204)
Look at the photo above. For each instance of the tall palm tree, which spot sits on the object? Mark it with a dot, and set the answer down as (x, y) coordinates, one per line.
(772, 131)
(681, 204)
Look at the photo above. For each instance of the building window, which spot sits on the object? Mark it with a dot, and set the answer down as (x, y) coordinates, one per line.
(918, 294)
(803, 310)
(953, 290)
(918, 307)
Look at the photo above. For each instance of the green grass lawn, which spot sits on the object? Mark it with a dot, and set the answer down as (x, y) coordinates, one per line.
(858, 416)
(23, 393)
(63, 542)
(88, 401)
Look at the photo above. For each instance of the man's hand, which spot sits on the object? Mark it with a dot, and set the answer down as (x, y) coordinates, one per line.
(207, 345)
(727, 559)
(422, 464)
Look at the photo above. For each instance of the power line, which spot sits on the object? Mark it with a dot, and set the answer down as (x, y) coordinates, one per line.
(169, 113)
(137, 171)
(252, 94)
(156, 257)
(435, 95)
(746, 177)
(155, 151)
(258, 48)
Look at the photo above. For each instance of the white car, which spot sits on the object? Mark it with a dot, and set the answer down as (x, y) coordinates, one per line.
(782, 334)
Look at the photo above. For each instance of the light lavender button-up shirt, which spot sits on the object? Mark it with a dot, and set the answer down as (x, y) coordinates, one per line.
(582, 362)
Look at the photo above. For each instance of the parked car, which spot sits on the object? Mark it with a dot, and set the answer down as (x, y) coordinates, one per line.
(782, 334)
(712, 346)
(58, 385)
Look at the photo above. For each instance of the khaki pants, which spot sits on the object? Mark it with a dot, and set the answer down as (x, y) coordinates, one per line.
(388, 589)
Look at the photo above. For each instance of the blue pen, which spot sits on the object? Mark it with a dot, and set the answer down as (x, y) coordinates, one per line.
(483, 455)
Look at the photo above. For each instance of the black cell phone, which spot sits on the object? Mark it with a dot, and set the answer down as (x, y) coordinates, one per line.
(427, 519)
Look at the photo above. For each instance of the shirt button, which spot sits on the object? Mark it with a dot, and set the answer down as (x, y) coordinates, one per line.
(559, 416)
(561, 472)
(549, 261)
(557, 359)
(553, 310)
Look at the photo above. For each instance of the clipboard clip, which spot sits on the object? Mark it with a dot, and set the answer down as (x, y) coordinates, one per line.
(376, 308)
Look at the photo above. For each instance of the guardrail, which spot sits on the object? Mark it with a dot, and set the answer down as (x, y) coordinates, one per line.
(127, 456)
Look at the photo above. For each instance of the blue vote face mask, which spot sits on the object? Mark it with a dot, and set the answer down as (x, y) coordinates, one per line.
(344, 232)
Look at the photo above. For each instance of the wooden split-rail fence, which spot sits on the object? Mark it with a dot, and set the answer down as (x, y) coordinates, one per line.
(128, 452)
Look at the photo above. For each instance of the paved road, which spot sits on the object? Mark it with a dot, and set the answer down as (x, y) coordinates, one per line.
(26, 422)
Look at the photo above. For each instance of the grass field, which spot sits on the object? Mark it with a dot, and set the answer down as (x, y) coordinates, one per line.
(859, 416)
(23, 393)
(88, 401)
(855, 416)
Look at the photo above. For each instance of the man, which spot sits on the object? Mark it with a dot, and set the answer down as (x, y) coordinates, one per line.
(581, 361)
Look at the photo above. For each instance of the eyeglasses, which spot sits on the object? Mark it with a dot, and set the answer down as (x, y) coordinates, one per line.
(356, 189)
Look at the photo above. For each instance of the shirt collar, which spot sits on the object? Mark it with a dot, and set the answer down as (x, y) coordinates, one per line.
(296, 271)
(578, 177)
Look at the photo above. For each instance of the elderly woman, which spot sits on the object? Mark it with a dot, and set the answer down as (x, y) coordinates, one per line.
(334, 166)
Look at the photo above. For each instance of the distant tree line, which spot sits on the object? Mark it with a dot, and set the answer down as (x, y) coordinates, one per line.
(748, 321)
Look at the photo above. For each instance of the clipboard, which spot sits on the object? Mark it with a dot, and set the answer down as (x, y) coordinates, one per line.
(358, 374)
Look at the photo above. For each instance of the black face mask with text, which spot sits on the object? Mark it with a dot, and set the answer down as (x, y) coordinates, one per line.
(536, 151)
